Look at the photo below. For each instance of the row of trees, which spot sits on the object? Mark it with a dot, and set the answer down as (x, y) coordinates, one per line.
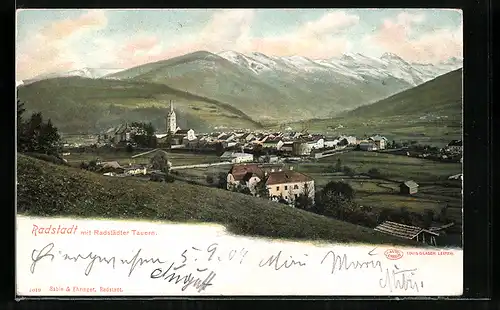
(34, 135)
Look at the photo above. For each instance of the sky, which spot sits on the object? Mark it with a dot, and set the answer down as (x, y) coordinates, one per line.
(49, 41)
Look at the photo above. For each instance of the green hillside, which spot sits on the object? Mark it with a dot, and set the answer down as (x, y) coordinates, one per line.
(78, 104)
(46, 189)
(429, 113)
(273, 96)
(441, 97)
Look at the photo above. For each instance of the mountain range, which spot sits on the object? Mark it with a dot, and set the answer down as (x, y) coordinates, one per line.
(264, 89)
(91, 73)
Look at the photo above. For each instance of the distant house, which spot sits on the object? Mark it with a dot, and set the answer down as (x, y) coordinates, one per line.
(455, 146)
(122, 134)
(380, 142)
(135, 170)
(408, 188)
(236, 158)
(272, 143)
(347, 140)
(226, 137)
(287, 147)
(187, 133)
(289, 185)
(408, 232)
(329, 143)
(183, 136)
(248, 175)
(301, 148)
(247, 137)
(367, 146)
(244, 175)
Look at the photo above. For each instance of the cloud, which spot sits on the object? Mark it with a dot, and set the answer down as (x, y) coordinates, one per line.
(55, 46)
(50, 49)
(231, 30)
(396, 36)
(321, 38)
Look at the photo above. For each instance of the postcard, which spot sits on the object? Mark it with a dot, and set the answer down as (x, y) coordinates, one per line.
(239, 152)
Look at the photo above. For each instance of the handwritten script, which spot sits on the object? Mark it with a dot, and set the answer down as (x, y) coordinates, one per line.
(196, 267)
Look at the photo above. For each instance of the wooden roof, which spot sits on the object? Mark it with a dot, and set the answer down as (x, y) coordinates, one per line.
(410, 184)
(287, 176)
(401, 230)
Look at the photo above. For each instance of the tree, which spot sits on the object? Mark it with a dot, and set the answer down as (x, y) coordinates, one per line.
(338, 166)
(443, 214)
(36, 136)
(404, 216)
(374, 173)
(304, 201)
(210, 179)
(336, 200)
(160, 162)
(340, 189)
(222, 180)
(145, 134)
(349, 171)
(261, 189)
(219, 148)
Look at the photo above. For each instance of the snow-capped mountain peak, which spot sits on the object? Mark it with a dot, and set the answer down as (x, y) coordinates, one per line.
(352, 65)
(86, 72)
(392, 57)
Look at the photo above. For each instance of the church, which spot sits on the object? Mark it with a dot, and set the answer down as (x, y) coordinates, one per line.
(179, 136)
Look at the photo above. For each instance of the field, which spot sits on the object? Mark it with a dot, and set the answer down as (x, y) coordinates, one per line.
(123, 158)
(46, 189)
(435, 190)
(399, 128)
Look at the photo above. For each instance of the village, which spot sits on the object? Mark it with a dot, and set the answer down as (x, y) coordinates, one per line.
(288, 167)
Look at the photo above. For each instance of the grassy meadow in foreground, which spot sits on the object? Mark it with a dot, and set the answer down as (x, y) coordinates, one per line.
(46, 189)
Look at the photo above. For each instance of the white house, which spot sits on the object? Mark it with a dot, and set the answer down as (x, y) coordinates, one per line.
(236, 158)
(331, 143)
(289, 185)
(301, 148)
(350, 140)
(379, 141)
(318, 144)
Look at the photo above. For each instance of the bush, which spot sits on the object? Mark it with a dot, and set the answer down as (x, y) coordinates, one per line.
(129, 148)
(210, 179)
(341, 189)
(349, 171)
(374, 173)
(49, 158)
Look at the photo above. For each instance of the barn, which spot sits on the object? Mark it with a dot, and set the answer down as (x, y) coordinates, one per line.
(408, 232)
(408, 188)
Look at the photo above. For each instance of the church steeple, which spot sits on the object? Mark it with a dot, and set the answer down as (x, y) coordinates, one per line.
(171, 119)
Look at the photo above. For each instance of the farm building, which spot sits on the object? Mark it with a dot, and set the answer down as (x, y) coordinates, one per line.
(367, 146)
(408, 188)
(408, 232)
